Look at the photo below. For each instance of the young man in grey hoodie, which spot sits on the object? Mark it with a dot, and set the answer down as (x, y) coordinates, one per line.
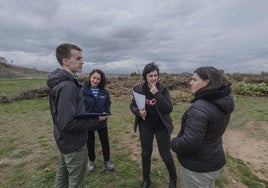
(70, 131)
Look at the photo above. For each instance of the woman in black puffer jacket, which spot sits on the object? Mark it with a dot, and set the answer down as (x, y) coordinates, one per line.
(199, 143)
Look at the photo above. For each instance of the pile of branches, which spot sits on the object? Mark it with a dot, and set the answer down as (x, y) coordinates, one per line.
(120, 87)
(29, 94)
(33, 94)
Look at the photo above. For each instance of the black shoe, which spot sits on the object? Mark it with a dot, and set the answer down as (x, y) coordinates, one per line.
(145, 184)
(172, 183)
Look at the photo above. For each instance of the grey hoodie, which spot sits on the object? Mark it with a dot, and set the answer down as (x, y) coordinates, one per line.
(66, 100)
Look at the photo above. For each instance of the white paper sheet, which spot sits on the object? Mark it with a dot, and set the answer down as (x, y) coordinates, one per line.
(139, 99)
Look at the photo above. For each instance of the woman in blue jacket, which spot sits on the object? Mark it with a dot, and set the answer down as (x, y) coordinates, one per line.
(199, 143)
(97, 100)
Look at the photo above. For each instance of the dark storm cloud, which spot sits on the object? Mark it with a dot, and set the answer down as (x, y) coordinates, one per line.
(122, 36)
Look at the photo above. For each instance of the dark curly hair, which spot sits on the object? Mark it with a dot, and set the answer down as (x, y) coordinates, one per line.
(149, 68)
(103, 78)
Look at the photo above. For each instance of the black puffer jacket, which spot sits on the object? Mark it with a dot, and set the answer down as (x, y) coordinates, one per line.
(199, 143)
(163, 106)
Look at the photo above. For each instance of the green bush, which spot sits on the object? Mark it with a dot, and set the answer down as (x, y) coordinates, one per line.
(250, 89)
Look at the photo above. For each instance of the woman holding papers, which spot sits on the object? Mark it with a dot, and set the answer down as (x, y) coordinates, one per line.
(97, 100)
(153, 119)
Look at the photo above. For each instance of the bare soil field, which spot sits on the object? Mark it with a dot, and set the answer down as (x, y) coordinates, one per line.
(247, 145)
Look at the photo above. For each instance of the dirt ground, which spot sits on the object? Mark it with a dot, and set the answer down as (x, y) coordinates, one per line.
(244, 144)
(247, 146)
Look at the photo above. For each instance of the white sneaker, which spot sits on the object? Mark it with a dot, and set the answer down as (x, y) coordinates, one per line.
(91, 166)
(108, 165)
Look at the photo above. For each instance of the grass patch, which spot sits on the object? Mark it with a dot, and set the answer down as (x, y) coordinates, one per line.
(10, 87)
(6, 149)
(221, 181)
(20, 154)
(249, 109)
(240, 169)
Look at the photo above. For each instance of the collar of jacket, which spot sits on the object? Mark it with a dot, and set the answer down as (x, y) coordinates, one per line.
(75, 79)
(212, 95)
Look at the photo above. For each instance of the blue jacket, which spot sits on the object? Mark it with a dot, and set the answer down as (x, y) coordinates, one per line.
(66, 101)
(99, 104)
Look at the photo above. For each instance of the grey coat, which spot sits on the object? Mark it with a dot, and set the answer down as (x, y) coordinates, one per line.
(66, 101)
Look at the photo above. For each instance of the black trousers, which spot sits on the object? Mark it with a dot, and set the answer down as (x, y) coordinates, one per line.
(103, 135)
(163, 143)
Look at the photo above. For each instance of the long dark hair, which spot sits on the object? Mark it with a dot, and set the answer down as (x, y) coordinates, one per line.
(103, 78)
(216, 78)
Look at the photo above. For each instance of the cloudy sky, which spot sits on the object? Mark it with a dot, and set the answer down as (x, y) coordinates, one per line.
(121, 36)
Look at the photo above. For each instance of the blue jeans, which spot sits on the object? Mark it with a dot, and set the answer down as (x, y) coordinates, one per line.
(71, 169)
